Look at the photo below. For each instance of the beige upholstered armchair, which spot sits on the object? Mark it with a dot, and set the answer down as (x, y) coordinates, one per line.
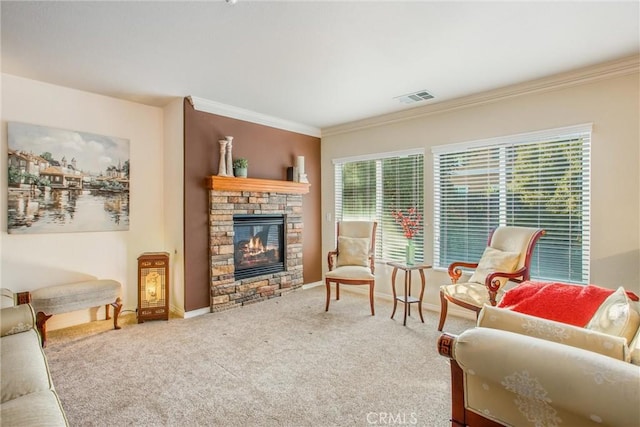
(506, 258)
(352, 262)
(519, 370)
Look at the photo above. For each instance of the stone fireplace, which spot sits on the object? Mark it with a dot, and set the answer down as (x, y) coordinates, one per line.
(255, 239)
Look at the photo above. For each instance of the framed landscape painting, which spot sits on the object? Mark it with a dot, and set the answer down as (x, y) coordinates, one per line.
(63, 181)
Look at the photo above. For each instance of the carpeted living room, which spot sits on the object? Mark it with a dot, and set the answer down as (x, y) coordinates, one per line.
(282, 362)
(293, 213)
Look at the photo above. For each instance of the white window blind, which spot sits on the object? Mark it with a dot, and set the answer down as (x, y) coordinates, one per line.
(540, 179)
(370, 188)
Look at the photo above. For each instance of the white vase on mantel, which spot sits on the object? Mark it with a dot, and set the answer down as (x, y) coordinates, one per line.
(229, 156)
(222, 164)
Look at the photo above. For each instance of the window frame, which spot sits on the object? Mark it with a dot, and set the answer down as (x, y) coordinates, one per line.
(512, 142)
(378, 158)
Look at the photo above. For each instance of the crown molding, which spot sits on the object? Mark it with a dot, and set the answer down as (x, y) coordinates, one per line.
(607, 70)
(220, 109)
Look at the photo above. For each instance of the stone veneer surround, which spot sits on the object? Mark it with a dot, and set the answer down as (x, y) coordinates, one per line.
(229, 196)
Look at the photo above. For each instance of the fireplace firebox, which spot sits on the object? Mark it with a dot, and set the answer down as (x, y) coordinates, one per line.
(259, 245)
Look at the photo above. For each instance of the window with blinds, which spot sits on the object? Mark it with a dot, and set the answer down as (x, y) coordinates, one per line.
(540, 179)
(371, 188)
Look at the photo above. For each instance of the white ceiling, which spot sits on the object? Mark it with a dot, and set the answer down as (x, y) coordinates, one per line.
(315, 63)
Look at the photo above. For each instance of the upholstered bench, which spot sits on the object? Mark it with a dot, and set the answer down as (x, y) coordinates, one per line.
(75, 296)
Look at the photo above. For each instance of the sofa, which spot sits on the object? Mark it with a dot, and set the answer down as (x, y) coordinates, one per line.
(27, 392)
(522, 370)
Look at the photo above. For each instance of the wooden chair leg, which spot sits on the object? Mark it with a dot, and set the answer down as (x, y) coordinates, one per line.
(373, 313)
(337, 291)
(41, 320)
(444, 305)
(328, 286)
(106, 310)
(458, 413)
(117, 307)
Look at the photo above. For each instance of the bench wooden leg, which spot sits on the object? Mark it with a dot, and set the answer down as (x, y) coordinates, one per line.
(117, 307)
(41, 320)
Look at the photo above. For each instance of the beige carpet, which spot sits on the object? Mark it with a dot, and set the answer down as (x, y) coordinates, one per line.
(282, 362)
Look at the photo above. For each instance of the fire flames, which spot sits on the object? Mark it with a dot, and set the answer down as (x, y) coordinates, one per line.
(253, 251)
(255, 245)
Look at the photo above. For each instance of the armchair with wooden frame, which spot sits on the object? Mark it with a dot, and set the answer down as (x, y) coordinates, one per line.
(506, 258)
(352, 262)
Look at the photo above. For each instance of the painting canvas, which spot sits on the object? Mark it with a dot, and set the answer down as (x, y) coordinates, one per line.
(64, 181)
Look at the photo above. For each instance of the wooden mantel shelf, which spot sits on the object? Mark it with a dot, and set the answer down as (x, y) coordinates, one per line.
(230, 183)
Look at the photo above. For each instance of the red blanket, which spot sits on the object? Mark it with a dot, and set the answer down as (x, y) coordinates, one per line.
(562, 302)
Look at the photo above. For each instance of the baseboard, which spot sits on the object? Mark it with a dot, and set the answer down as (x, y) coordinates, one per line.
(195, 313)
(453, 310)
(207, 310)
(312, 284)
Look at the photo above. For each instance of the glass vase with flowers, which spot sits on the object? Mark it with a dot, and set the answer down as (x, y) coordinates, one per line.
(410, 221)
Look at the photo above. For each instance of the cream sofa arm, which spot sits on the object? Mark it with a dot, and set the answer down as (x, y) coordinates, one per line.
(17, 319)
(512, 321)
(517, 380)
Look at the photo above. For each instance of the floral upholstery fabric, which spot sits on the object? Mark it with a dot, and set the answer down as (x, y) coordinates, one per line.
(14, 320)
(519, 380)
(512, 321)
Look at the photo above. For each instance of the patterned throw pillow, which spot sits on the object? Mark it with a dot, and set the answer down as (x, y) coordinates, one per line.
(353, 251)
(495, 260)
(616, 316)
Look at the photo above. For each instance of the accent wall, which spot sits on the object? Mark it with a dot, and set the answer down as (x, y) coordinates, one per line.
(269, 151)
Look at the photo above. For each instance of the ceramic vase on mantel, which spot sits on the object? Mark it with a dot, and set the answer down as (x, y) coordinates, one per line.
(229, 157)
(410, 252)
(222, 164)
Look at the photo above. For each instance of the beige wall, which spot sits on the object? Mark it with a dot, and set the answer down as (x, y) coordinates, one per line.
(173, 207)
(33, 261)
(611, 104)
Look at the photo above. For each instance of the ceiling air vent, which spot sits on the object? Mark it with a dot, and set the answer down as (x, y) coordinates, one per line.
(410, 98)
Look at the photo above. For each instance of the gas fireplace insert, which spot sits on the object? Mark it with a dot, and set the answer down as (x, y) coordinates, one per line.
(259, 245)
